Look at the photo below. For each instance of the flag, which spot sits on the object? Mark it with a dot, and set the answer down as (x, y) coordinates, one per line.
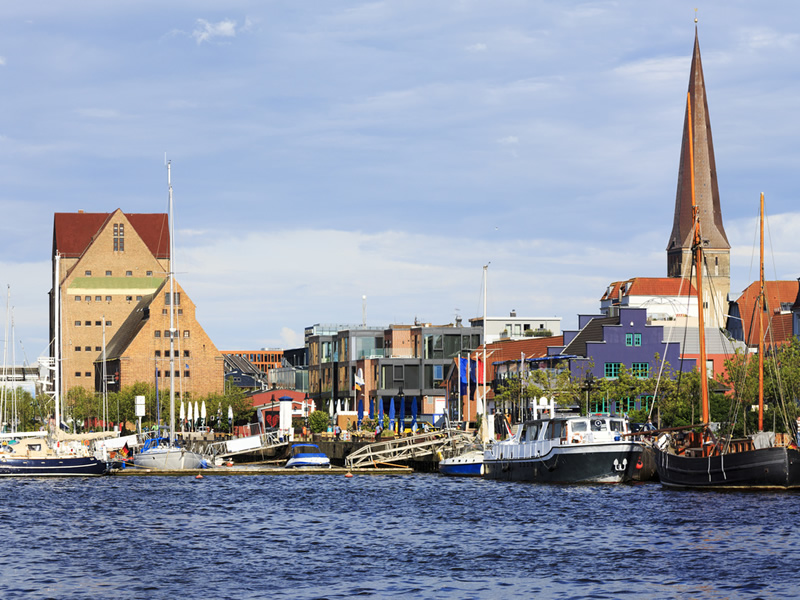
(463, 375)
(125, 451)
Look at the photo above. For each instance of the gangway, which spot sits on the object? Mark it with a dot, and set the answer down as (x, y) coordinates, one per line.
(252, 443)
(416, 446)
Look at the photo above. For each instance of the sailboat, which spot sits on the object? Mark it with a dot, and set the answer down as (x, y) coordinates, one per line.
(468, 460)
(757, 462)
(160, 452)
(52, 452)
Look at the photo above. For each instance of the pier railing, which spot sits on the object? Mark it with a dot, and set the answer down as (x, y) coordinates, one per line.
(408, 448)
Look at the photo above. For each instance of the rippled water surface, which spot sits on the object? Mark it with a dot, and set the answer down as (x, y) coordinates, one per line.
(416, 536)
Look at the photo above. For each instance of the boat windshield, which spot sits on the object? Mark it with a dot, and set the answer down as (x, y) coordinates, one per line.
(579, 426)
(617, 425)
(530, 433)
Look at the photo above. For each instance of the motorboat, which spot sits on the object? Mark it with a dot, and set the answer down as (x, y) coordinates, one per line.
(307, 455)
(41, 456)
(159, 453)
(566, 448)
(465, 464)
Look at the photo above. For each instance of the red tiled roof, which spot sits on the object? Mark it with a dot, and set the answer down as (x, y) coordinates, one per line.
(776, 292)
(512, 349)
(650, 286)
(73, 232)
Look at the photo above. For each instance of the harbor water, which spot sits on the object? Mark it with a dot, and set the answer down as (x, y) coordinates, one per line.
(412, 536)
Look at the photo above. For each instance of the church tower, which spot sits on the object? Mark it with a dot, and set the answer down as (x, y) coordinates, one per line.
(716, 248)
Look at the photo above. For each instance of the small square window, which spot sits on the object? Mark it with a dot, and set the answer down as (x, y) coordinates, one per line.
(164, 311)
(158, 373)
(88, 323)
(88, 374)
(186, 373)
(185, 353)
(128, 273)
(98, 349)
(637, 339)
(138, 298)
(180, 311)
(157, 333)
(88, 348)
(88, 298)
(98, 298)
(158, 353)
(186, 333)
(129, 298)
(87, 273)
(77, 348)
(629, 339)
(77, 323)
(149, 273)
(108, 323)
(108, 298)
(77, 298)
(166, 333)
(77, 373)
(98, 323)
(108, 273)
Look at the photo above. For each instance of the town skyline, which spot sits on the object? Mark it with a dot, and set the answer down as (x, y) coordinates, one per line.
(339, 150)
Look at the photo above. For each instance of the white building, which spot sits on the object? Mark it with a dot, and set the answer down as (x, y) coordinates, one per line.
(513, 327)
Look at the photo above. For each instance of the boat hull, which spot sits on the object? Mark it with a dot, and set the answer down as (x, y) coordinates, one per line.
(764, 468)
(464, 465)
(169, 459)
(68, 466)
(589, 463)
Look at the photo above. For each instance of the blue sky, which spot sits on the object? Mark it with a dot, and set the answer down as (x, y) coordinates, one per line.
(322, 150)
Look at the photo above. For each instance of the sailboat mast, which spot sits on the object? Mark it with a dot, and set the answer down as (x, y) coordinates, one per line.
(761, 309)
(697, 247)
(171, 311)
(57, 342)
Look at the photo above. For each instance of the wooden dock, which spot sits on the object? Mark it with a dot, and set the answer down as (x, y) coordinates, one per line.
(258, 470)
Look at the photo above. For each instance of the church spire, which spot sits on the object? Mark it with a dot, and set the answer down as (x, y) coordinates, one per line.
(715, 242)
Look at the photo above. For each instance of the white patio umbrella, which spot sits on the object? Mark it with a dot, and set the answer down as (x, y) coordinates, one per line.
(203, 412)
(182, 415)
(196, 410)
(189, 415)
(230, 417)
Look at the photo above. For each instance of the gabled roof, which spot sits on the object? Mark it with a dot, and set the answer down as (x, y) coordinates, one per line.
(776, 294)
(73, 232)
(591, 332)
(650, 286)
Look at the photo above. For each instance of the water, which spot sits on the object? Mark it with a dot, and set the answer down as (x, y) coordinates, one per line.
(416, 536)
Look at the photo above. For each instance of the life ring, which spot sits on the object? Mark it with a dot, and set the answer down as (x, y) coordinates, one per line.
(577, 438)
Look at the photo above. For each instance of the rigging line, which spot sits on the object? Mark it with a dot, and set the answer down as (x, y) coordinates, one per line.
(667, 345)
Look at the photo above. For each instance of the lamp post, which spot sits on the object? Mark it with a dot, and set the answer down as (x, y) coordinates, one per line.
(305, 413)
(401, 428)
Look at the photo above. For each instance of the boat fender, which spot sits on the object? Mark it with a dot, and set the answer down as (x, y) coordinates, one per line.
(639, 463)
(348, 474)
(199, 476)
(577, 438)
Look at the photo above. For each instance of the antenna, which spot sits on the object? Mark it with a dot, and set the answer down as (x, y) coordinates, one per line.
(695, 16)
(364, 311)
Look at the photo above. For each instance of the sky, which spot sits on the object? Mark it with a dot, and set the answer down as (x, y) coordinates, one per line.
(324, 151)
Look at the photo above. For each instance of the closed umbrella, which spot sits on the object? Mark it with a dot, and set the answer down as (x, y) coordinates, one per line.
(230, 417)
(380, 411)
(360, 411)
(183, 414)
(189, 415)
(203, 412)
(413, 413)
(372, 408)
(402, 419)
(391, 414)
(196, 411)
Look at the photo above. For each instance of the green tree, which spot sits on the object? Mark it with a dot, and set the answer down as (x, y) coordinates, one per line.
(318, 421)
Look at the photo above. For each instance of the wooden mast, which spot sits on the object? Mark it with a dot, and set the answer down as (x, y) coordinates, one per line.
(761, 306)
(697, 247)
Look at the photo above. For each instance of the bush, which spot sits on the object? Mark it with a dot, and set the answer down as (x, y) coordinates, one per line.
(318, 421)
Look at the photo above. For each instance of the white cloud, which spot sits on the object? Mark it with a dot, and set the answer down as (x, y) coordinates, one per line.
(765, 38)
(205, 31)
(508, 140)
(99, 113)
(479, 47)
(2, 61)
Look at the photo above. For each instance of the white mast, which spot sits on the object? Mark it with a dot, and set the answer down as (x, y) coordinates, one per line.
(57, 343)
(171, 311)
(105, 380)
(3, 402)
(485, 422)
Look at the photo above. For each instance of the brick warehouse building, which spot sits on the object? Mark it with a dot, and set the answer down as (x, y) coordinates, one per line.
(112, 271)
